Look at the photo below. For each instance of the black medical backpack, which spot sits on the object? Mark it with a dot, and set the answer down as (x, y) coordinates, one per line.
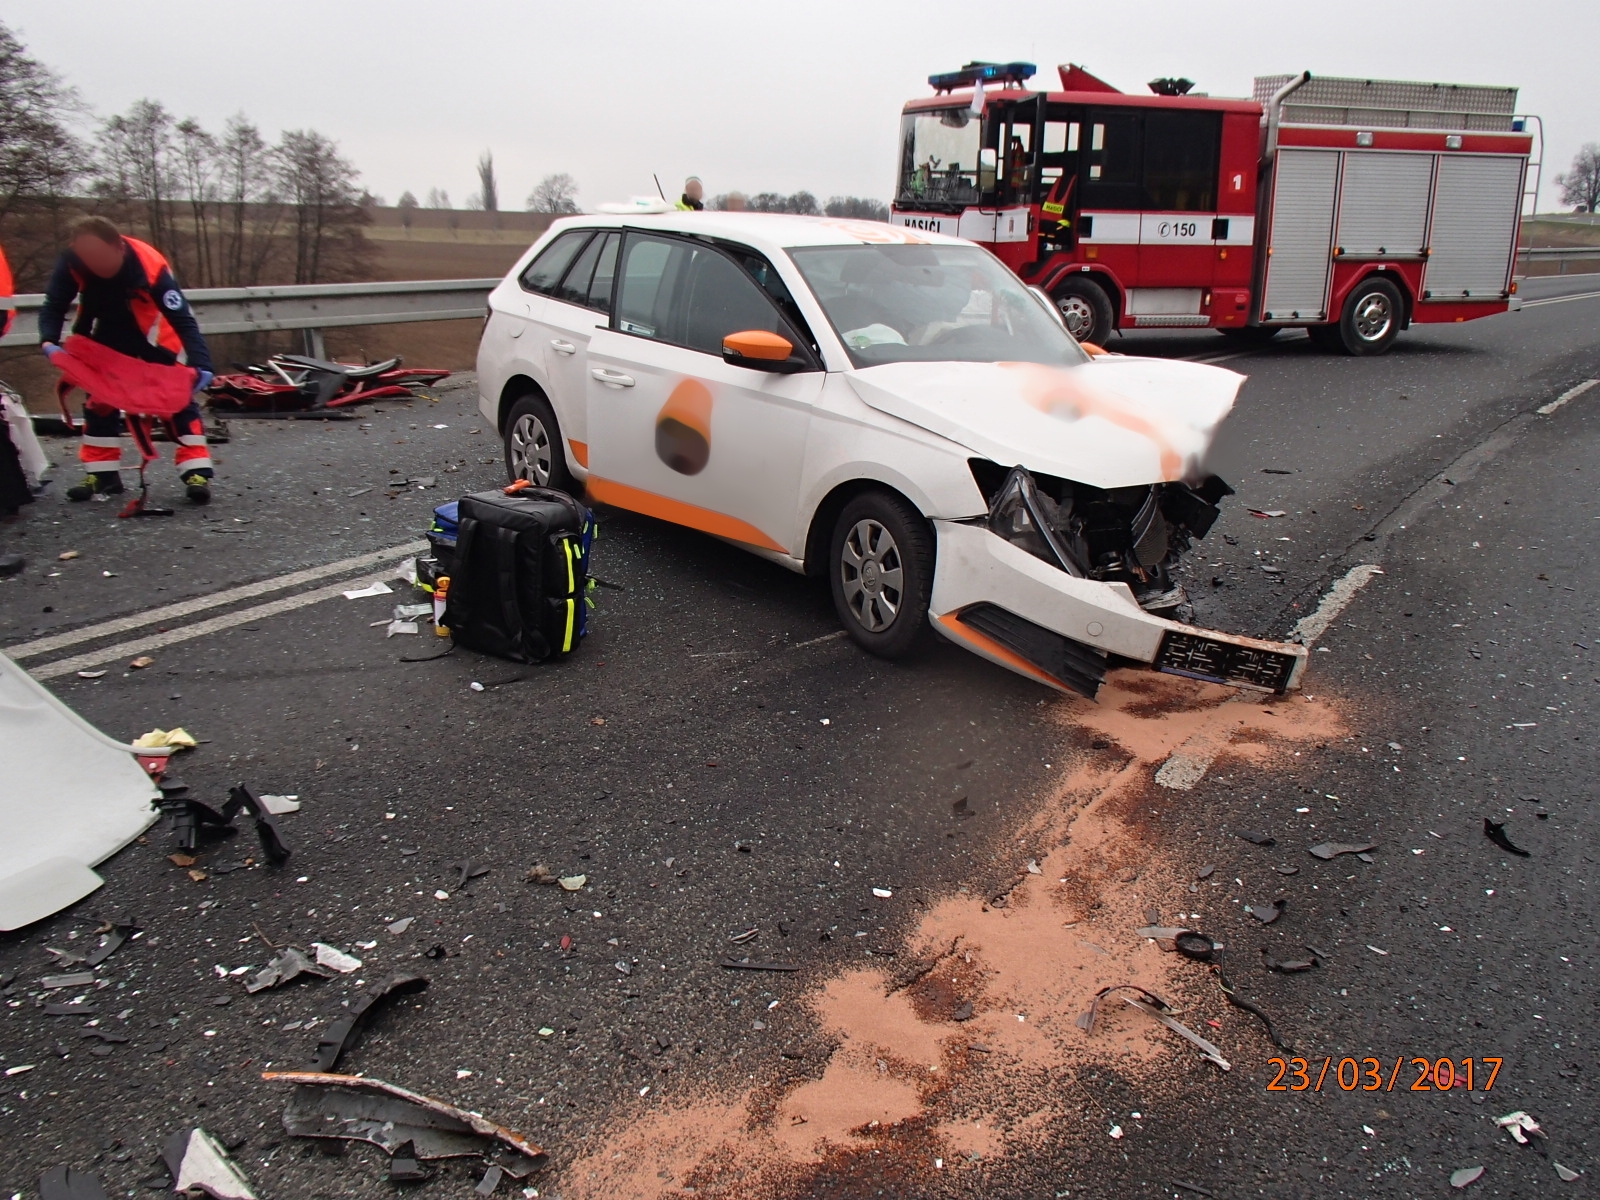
(520, 587)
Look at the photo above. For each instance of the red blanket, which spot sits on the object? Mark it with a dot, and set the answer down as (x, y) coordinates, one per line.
(114, 380)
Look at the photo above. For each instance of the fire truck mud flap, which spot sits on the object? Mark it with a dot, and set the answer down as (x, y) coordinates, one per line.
(1004, 604)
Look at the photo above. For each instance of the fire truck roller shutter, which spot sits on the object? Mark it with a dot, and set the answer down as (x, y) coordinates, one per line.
(1383, 204)
(1301, 241)
(1474, 224)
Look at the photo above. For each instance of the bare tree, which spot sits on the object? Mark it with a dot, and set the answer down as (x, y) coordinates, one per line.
(326, 214)
(554, 194)
(488, 190)
(1580, 187)
(251, 218)
(407, 204)
(438, 198)
(860, 208)
(197, 168)
(136, 167)
(41, 160)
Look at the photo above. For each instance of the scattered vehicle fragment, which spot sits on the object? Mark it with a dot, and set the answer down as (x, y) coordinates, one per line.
(572, 883)
(1326, 850)
(111, 937)
(1087, 1019)
(66, 1183)
(1258, 837)
(1207, 1050)
(336, 959)
(1267, 913)
(400, 926)
(1286, 966)
(1495, 831)
(278, 805)
(343, 1033)
(52, 983)
(1466, 1175)
(1519, 1124)
(1566, 1174)
(1193, 944)
(205, 1167)
(404, 1167)
(288, 966)
(72, 798)
(294, 385)
(358, 1108)
(1254, 1010)
(746, 964)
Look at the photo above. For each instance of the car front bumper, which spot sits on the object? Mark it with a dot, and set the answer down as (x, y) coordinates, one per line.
(1001, 602)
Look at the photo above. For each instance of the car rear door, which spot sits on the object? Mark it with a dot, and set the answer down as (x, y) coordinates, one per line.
(676, 431)
(579, 304)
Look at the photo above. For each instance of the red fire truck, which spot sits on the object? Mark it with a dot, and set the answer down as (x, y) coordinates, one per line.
(1351, 208)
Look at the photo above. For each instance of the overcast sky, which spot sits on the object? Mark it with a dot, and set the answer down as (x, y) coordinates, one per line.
(753, 96)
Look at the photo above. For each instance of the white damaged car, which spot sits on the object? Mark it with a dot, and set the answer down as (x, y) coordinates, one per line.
(892, 409)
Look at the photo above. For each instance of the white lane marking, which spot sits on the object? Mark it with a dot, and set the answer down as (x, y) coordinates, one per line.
(158, 641)
(1572, 393)
(1188, 764)
(172, 612)
(1560, 299)
(1309, 628)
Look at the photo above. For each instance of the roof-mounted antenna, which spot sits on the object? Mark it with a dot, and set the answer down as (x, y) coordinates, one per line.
(657, 178)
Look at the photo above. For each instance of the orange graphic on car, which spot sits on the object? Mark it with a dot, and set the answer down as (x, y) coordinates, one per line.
(1062, 393)
(683, 428)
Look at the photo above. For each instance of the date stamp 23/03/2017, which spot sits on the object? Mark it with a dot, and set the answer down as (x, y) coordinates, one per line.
(1379, 1075)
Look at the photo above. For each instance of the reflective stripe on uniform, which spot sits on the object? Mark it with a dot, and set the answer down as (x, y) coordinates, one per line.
(192, 439)
(190, 464)
(116, 443)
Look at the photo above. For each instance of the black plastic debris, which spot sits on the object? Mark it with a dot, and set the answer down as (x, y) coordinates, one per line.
(1179, 1184)
(1326, 850)
(1205, 872)
(1195, 945)
(191, 820)
(1292, 966)
(104, 1035)
(1257, 837)
(111, 939)
(343, 1033)
(1495, 831)
(65, 1183)
(960, 809)
(963, 1013)
(746, 964)
(1254, 1010)
(362, 1109)
(290, 964)
(404, 1167)
(1287, 870)
(71, 1010)
(466, 871)
(1267, 913)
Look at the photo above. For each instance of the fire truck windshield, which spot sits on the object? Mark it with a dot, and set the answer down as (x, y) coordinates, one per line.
(924, 303)
(939, 157)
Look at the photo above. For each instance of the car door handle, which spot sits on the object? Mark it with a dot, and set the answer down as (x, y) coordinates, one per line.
(561, 347)
(612, 378)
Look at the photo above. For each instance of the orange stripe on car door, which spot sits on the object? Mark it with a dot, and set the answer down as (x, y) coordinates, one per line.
(580, 453)
(620, 495)
(1010, 657)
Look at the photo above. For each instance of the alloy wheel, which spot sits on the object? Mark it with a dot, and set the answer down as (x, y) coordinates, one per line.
(872, 574)
(1373, 317)
(530, 449)
(1078, 314)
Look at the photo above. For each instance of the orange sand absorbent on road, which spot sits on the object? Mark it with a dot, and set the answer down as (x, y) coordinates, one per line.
(906, 1074)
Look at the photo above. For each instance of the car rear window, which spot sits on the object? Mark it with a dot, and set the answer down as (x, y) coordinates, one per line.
(544, 272)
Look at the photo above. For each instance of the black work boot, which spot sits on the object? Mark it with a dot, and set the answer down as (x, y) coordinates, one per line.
(106, 484)
(198, 488)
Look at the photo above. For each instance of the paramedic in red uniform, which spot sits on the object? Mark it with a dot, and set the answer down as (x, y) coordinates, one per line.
(128, 301)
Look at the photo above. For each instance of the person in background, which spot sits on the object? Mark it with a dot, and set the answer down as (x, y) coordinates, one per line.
(736, 202)
(14, 490)
(693, 195)
(128, 301)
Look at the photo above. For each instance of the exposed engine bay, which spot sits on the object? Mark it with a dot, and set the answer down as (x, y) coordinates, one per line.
(1132, 535)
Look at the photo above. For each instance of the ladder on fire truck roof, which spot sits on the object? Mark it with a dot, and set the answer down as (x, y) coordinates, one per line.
(1399, 104)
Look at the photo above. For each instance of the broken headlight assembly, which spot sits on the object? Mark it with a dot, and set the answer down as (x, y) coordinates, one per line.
(1131, 535)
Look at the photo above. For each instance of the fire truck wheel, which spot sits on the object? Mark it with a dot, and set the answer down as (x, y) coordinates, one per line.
(1086, 309)
(1372, 317)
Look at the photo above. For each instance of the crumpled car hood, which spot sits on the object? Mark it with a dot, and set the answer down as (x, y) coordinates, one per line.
(1113, 422)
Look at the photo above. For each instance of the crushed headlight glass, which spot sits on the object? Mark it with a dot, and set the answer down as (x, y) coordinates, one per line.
(1027, 518)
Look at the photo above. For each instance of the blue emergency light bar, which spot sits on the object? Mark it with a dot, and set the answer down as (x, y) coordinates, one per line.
(974, 72)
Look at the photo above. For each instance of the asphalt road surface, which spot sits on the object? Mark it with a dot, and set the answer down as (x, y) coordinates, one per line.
(715, 759)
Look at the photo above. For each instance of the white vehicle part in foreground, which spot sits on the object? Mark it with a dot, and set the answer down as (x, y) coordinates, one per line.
(72, 798)
(976, 568)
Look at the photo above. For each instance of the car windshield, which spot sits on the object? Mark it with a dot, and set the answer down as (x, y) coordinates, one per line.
(923, 303)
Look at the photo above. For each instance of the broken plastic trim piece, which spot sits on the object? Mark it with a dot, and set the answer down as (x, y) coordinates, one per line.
(356, 1108)
(1207, 1050)
(342, 1035)
(1495, 831)
(1240, 1002)
(286, 967)
(204, 1167)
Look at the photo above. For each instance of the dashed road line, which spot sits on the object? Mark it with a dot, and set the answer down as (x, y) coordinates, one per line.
(1572, 393)
(185, 608)
(1560, 299)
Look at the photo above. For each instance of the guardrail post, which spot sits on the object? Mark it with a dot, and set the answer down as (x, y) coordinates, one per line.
(314, 345)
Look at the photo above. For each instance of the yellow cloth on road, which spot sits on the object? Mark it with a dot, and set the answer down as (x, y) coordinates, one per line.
(178, 739)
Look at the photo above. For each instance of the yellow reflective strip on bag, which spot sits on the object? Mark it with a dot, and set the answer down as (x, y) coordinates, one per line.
(572, 579)
(572, 609)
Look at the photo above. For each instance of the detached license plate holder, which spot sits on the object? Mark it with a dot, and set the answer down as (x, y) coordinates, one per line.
(1216, 660)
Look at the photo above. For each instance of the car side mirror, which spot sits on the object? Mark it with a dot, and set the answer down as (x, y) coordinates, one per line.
(758, 350)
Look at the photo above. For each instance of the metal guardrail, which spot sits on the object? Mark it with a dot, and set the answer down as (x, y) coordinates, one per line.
(313, 307)
(1559, 253)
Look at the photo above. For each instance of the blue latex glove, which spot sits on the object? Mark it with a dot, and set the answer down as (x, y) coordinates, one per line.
(50, 350)
(202, 379)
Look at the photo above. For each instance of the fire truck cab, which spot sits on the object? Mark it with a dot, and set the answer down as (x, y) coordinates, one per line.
(1349, 207)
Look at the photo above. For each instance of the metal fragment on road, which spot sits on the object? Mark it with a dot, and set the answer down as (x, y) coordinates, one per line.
(76, 979)
(363, 1109)
(338, 960)
(1327, 850)
(400, 926)
(289, 965)
(1207, 1050)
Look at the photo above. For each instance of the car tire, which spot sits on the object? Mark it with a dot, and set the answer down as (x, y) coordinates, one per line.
(1086, 309)
(533, 445)
(1371, 319)
(880, 567)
